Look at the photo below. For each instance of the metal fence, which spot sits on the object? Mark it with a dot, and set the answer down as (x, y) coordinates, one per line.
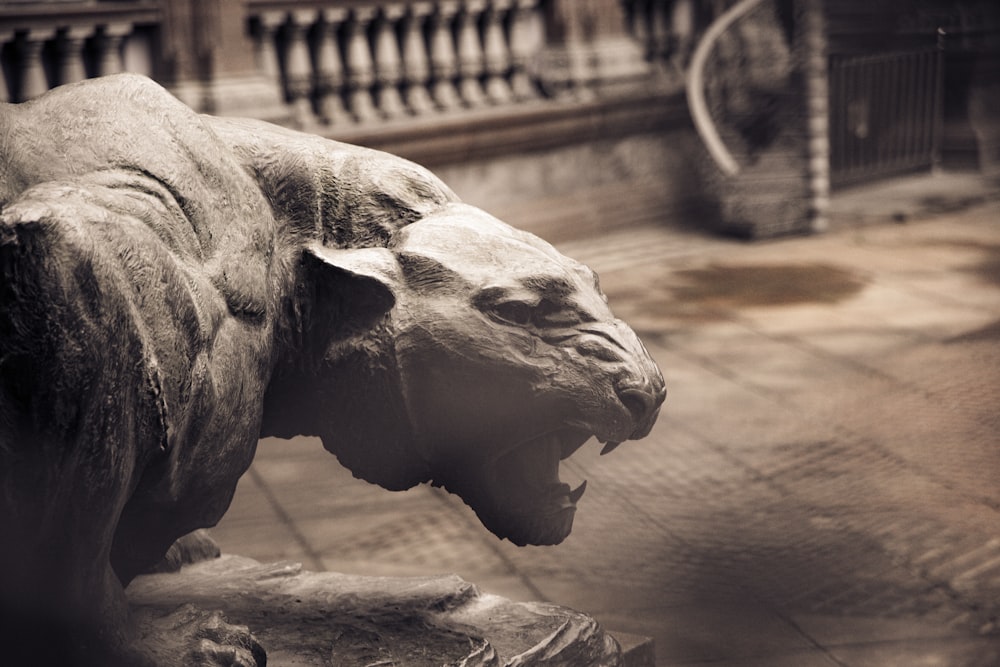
(885, 114)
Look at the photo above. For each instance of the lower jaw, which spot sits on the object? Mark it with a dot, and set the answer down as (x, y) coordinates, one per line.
(550, 526)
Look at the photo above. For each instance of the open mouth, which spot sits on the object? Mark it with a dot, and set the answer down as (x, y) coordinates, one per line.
(519, 495)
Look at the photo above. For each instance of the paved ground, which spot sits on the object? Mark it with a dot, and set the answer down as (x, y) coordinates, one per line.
(821, 488)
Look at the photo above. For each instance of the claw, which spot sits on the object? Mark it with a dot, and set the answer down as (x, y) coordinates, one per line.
(577, 493)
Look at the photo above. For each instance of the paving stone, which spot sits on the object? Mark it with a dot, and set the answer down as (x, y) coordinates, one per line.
(982, 652)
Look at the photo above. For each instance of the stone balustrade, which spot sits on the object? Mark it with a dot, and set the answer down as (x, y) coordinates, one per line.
(43, 45)
(363, 62)
(668, 29)
(340, 63)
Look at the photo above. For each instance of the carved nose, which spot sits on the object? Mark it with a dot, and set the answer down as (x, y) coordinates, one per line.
(643, 403)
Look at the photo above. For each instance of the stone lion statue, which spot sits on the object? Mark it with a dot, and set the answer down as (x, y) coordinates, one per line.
(175, 286)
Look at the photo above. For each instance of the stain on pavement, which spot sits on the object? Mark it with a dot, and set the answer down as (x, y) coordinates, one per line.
(735, 286)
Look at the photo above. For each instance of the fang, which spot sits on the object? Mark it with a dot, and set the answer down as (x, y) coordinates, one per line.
(609, 447)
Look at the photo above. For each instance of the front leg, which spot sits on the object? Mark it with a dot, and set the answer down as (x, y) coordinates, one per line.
(194, 547)
(61, 603)
(193, 637)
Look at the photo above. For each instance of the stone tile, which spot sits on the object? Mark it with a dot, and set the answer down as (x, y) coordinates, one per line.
(777, 367)
(282, 449)
(312, 483)
(316, 498)
(830, 631)
(250, 502)
(860, 345)
(955, 652)
(711, 633)
(431, 540)
(811, 658)
(803, 320)
(894, 307)
(266, 540)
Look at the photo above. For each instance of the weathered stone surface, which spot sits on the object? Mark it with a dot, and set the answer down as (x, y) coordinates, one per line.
(324, 618)
(174, 286)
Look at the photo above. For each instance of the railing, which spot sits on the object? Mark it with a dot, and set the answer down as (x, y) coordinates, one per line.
(666, 29)
(45, 45)
(342, 62)
(359, 62)
(885, 114)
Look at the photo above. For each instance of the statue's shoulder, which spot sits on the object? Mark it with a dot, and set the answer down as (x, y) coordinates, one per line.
(127, 90)
(342, 193)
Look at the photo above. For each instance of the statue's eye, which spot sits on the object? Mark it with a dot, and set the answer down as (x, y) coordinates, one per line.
(545, 314)
(513, 312)
(552, 313)
(561, 318)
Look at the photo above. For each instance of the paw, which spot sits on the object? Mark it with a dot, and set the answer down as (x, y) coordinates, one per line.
(222, 644)
(191, 637)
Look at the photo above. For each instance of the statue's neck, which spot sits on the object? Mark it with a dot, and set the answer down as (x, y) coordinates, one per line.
(354, 403)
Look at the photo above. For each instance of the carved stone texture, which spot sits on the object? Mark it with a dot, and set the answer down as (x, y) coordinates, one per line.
(175, 286)
(324, 618)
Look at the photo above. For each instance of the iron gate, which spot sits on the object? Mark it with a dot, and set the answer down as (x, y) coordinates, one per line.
(885, 114)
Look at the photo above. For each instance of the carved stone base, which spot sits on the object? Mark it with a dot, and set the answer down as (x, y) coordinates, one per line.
(323, 618)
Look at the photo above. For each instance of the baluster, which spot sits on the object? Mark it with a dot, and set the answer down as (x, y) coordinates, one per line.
(358, 64)
(266, 55)
(298, 68)
(33, 81)
(642, 29)
(523, 44)
(109, 46)
(329, 70)
(416, 68)
(470, 53)
(660, 33)
(71, 66)
(495, 53)
(628, 7)
(388, 68)
(442, 56)
(5, 37)
(682, 25)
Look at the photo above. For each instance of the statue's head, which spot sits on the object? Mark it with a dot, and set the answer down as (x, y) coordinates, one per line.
(482, 358)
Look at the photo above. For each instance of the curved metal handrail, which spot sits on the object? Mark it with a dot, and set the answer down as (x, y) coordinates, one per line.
(696, 89)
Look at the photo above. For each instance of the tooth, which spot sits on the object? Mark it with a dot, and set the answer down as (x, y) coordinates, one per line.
(609, 447)
(577, 493)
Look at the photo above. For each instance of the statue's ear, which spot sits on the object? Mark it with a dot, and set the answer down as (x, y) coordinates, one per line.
(354, 288)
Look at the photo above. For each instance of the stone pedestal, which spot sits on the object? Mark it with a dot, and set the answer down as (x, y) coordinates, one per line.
(322, 618)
